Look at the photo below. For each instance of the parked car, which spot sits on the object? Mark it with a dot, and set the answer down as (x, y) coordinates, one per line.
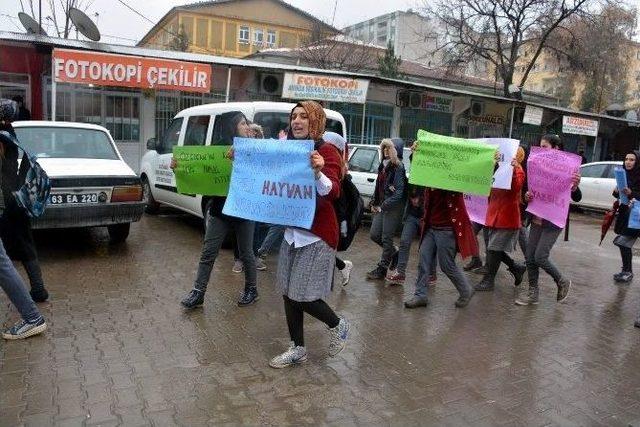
(91, 185)
(203, 125)
(364, 160)
(597, 184)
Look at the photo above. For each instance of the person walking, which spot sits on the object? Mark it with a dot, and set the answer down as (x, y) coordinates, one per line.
(626, 237)
(307, 258)
(503, 225)
(387, 205)
(15, 224)
(218, 225)
(32, 322)
(543, 235)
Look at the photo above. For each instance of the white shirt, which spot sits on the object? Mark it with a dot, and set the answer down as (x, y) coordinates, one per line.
(299, 237)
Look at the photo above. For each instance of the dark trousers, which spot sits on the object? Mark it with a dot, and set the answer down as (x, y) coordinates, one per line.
(295, 310)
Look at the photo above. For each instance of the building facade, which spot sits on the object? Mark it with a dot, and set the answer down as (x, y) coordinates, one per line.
(235, 28)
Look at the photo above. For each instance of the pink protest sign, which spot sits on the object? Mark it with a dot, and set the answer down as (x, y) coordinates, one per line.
(476, 207)
(549, 173)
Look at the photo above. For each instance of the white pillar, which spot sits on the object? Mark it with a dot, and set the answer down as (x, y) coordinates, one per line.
(226, 96)
(364, 116)
(395, 123)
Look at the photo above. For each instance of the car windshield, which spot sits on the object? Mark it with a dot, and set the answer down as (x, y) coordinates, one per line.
(68, 143)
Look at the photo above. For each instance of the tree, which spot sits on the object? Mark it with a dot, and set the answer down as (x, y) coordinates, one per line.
(57, 13)
(389, 63)
(180, 41)
(495, 30)
(596, 48)
(339, 53)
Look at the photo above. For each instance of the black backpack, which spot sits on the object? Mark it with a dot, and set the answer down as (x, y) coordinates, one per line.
(351, 208)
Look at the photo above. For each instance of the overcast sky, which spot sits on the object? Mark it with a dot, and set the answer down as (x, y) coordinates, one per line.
(115, 20)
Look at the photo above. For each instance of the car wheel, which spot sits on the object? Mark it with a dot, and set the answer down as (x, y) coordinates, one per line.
(151, 206)
(118, 233)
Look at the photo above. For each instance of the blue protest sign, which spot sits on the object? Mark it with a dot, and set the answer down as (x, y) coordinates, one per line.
(272, 182)
(621, 183)
(634, 216)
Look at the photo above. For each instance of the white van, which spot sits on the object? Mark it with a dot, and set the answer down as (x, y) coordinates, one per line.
(200, 126)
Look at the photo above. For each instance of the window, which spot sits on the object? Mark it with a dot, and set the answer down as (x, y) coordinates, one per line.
(593, 171)
(122, 117)
(244, 35)
(273, 123)
(362, 160)
(258, 37)
(196, 133)
(271, 38)
(171, 136)
(70, 143)
(223, 128)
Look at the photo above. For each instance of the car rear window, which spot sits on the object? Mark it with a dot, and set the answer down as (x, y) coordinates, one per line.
(275, 122)
(68, 143)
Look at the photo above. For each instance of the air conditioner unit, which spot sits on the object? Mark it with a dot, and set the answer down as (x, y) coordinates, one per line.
(415, 100)
(271, 84)
(402, 98)
(477, 108)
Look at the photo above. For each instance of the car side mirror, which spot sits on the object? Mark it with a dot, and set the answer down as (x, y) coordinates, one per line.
(152, 144)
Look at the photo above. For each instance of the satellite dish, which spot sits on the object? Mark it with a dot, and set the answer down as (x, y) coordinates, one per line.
(30, 24)
(84, 24)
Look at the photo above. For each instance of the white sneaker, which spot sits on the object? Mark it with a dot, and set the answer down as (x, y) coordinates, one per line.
(293, 356)
(338, 337)
(238, 266)
(260, 264)
(346, 272)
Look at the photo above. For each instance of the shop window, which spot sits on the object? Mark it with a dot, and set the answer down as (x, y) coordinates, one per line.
(196, 132)
(122, 117)
(89, 107)
(243, 38)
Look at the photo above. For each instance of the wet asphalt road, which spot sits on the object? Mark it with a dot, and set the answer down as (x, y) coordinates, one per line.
(121, 351)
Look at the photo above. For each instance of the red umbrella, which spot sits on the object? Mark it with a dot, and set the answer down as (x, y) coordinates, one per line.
(607, 220)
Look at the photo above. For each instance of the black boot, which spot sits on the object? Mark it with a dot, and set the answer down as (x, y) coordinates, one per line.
(194, 299)
(518, 271)
(38, 292)
(249, 296)
(492, 264)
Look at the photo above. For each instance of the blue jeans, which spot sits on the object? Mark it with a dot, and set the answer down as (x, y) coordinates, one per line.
(272, 240)
(443, 244)
(15, 289)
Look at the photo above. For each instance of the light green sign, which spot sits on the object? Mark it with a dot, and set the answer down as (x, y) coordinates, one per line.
(454, 164)
(203, 170)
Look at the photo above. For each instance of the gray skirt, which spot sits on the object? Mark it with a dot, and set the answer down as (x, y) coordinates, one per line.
(306, 274)
(502, 240)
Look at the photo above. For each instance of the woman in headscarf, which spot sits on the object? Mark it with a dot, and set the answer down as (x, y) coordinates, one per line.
(307, 258)
(542, 236)
(234, 124)
(32, 322)
(503, 225)
(626, 237)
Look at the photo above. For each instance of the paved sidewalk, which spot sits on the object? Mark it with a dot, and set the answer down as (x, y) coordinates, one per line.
(121, 351)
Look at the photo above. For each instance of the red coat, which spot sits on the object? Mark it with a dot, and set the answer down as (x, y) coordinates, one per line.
(466, 243)
(504, 205)
(325, 222)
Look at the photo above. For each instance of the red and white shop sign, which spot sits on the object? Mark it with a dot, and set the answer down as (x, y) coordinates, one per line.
(105, 69)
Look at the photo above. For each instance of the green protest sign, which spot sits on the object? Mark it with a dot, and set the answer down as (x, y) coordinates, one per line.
(202, 170)
(454, 164)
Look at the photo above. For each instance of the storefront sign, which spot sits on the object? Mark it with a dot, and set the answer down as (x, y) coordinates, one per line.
(532, 115)
(437, 102)
(324, 88)
(487, 120)
(579, 126)
(104, 69)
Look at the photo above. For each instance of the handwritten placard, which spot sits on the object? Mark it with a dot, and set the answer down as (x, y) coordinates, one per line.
(272, 182)
(621, 183)
(453, 164)
(550, 177)
(634, 217)
(477, 207)
(202, 170)
(507, 148)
